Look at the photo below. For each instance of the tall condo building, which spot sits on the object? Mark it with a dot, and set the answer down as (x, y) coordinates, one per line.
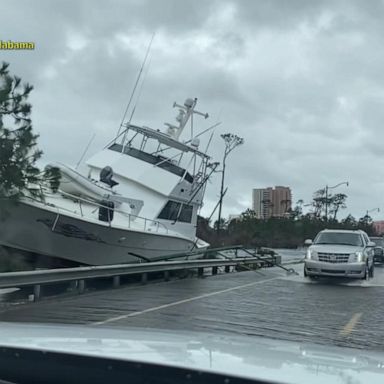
(271, 202)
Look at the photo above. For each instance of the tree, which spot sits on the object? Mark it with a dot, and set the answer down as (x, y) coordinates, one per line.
(248, 214)
(318, 202)
(18, 144)
(222, 224)
(337, 201)
(297, 212)
(321, 200)
(366, 224)
(231, 142)
(350, 221)
(366, 220)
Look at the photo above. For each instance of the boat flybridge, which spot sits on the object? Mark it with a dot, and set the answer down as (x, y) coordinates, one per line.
(139, 200)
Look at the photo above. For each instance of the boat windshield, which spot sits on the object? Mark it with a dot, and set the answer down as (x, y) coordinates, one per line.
(158, 160)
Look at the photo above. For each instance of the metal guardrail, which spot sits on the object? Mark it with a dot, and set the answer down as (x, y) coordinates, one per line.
(20, 279)
(81, 274)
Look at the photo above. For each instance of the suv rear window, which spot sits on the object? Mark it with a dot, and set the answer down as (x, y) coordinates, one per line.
(339, 238)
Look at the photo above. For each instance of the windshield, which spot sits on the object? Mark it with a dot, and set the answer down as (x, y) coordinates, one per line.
(339, 238)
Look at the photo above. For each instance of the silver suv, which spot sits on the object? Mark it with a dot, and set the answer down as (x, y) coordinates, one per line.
(341, 253)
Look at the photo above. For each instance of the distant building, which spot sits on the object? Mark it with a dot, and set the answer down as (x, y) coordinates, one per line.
(234, 217)
(271, 202)
(379, 227)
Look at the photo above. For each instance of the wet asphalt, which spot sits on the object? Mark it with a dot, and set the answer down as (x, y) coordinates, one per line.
(268, 303)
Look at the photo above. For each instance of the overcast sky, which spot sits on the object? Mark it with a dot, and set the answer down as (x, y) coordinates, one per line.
(301, 81)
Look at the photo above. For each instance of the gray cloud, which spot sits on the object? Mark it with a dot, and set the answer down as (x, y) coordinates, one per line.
(301, 81)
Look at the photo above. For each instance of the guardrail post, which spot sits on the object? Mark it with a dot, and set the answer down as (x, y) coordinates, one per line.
(72, 285)
(214, 270)
(81, 286)
(144, 278)
(200, 272)
(36, 292)
(227, 269)
(116, 281)
(166, 275)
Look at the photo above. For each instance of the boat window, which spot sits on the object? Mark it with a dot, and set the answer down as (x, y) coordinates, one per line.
(186, 213)
(170, 211)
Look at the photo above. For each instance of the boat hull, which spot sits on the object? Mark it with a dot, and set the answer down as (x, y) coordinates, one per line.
(48, 232)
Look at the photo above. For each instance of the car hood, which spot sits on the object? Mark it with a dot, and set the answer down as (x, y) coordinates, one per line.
(256, 358)
(334, 248)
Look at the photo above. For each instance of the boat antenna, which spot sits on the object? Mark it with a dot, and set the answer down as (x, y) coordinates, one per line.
(85, 151)
(139, 93)
(191, 126)
(206, 130)
(136, 83)
(134, 107)
(213, 126)
(209, 142)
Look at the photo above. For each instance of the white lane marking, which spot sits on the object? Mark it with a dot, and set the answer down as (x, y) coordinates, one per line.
(348, 328)
(112, 319)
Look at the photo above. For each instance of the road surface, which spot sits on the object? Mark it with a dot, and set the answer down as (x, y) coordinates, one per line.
(266, 303)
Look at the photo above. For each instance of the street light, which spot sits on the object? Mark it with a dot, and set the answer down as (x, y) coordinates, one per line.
(326, 196)
(372, 210)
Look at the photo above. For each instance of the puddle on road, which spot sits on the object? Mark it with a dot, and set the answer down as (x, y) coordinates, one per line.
(376, 281)
(336, 281)
(10, 297)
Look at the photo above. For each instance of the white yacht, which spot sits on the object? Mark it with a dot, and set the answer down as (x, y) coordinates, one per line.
(138, 202)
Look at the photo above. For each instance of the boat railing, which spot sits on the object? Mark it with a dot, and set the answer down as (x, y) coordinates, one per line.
(148, 224)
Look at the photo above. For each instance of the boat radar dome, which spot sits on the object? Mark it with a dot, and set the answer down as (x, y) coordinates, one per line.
(189, 103)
